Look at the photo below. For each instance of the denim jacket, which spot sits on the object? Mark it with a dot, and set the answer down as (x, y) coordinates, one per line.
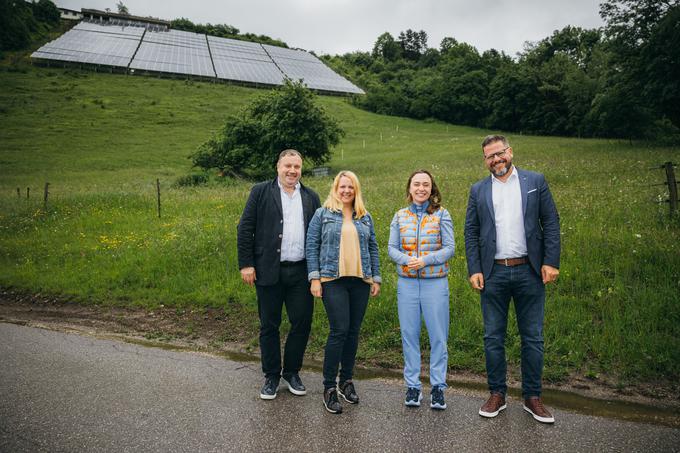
(323, 245)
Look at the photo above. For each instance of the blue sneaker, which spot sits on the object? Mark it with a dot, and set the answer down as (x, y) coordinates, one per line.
(413, 397)
(437, 398)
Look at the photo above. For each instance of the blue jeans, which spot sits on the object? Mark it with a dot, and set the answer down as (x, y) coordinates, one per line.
(429, 298)
(345, 300)
(527, 291)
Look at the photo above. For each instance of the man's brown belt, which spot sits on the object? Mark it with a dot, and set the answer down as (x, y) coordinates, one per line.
(513, 261)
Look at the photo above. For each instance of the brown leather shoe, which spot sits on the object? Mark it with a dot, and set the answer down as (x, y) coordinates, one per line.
(493, 405)
(535, 407)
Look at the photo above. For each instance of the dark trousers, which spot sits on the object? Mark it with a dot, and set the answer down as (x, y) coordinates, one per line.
(527, 291)
(292, 289)
(345, 300)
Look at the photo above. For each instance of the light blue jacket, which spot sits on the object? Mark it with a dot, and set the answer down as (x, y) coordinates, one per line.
(323, 245)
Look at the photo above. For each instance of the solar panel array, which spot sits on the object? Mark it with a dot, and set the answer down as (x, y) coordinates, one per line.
(191, 54)
(94, 44)
(174, 51)
(296, 64)
(244, 61)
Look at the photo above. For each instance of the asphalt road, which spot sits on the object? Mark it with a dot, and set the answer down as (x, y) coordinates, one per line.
(72, 393)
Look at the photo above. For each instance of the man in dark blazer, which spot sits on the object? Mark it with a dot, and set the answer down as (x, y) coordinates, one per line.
(512, 243)
(271, 256)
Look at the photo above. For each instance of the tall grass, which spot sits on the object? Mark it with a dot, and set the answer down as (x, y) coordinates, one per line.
(102, 140)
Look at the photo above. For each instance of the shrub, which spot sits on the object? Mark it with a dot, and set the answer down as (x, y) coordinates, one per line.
(249, 143)
(191, 180)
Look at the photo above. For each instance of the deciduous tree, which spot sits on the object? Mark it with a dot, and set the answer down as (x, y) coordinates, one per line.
(248, 144)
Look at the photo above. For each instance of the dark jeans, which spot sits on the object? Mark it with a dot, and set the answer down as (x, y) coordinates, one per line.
(345, 300)
(527, 291)
(292, 290)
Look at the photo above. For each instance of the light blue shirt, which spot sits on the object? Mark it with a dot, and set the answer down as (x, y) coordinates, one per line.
(293, 239)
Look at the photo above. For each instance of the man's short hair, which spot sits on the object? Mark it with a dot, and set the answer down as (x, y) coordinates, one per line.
(489, 139)
(288, 152)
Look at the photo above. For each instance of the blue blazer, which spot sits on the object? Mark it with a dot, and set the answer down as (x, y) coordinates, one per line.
(541, 224)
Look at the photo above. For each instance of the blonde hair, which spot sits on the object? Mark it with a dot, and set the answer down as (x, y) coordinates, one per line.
(335, 204)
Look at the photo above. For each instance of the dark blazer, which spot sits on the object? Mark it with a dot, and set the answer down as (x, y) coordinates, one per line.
(541, 224)
(260, 229)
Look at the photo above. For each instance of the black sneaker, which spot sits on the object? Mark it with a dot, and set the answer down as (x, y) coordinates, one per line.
(330, 400)
(413, 397)
(295, 385)
(437, 398)
(347, 391)
(271, 384)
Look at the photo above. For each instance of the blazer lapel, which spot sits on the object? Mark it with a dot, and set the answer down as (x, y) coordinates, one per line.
(276, 194)
(523, 188)
(488, 196)
(306, 204)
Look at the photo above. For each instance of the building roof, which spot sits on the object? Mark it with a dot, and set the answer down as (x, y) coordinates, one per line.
(150, 20)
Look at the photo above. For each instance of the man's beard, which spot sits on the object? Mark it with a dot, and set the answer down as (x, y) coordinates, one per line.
(504, 169)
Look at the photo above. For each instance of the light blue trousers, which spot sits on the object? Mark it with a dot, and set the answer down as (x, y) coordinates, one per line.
(429, 298)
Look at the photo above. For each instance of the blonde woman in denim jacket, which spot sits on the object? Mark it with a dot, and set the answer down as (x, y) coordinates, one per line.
(343, 267)
(421, 242)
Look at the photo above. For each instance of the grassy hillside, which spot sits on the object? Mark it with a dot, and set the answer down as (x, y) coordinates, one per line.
(101, 140)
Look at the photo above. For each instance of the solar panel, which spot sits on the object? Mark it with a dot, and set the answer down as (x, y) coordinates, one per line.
(174, 51)
(243, 61)
(111, 29)
(279, 53)
(192, 54)
(231, 48)
(301, 65)
(93, 44)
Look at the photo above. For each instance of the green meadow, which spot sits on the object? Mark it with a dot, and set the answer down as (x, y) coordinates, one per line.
(102, 140)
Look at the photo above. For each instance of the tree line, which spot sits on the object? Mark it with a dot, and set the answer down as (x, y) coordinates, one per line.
(224, 31)
(621, 80)
(23, 22)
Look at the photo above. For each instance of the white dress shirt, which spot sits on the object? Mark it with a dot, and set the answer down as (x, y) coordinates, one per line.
(293, 240)
(511, 241)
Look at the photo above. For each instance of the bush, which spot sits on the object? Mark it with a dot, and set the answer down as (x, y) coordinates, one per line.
(192, 180)
(249, 144)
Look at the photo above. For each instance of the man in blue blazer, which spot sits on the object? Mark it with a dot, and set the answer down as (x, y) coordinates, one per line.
(512, 243)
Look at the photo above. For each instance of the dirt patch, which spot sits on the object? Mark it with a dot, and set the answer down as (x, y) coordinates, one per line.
(234, 332)
(198, 328)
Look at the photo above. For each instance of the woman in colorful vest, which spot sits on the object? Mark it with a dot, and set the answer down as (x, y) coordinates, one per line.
(421, 243)
(343, 267)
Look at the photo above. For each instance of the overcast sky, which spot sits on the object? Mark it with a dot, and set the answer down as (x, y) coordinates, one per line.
(339, 26)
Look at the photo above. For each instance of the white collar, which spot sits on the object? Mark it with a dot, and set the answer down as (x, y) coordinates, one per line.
(297, 185)
(512, 175)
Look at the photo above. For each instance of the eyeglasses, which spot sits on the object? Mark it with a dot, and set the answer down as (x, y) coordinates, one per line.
(499, 154)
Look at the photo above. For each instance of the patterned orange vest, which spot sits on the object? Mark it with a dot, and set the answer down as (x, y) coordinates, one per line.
(419, 240)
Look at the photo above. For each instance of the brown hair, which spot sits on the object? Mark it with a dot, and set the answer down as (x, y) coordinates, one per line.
(489, 139)
(435, 197)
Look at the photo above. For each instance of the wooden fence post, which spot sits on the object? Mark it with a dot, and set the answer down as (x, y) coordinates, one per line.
(47, 192)
(158, 193)
(28, 192)
(672, 187)
(18, 193)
